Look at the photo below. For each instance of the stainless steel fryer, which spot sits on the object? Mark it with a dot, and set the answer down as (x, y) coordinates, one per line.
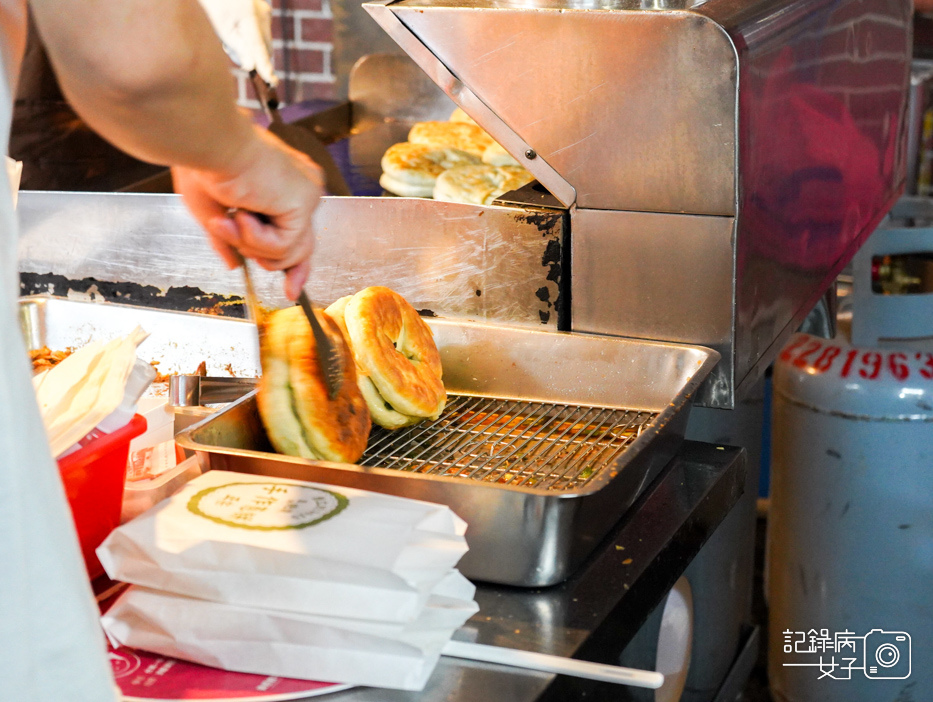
(547, 439)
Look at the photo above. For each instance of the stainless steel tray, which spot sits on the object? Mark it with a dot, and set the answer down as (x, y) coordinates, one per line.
(547, 440)
(178, 341)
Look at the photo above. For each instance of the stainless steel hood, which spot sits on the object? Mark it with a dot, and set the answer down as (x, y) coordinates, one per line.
(659, 126)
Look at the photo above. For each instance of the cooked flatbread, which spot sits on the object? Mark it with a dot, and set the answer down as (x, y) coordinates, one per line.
(451, 135)
(458, 115)
(515, 177)
(495, 155)
(410, 169)
(479, 185)
(468, 184)
(299, 416)
(398, 364)
(403, 189)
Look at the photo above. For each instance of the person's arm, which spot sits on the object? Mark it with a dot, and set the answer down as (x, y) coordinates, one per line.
(152, 78)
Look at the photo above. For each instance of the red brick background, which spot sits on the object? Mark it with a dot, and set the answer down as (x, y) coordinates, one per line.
(302, 43)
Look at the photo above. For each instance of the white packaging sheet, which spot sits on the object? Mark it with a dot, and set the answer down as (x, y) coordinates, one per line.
(333, 649)
(286, 545)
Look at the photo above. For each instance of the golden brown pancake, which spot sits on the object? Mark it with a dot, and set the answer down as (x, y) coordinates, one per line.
(410, 169)
(515, 177)
(451, 135)
(479, 185)
(299, 416)
(495, 155)
(398, 364)
(473, 185)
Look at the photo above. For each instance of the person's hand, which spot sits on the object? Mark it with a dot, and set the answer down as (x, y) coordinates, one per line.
(269, 179)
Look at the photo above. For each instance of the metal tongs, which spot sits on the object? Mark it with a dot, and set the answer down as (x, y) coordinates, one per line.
(327, 352)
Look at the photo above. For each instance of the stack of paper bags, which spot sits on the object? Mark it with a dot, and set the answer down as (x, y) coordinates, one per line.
(301, 580)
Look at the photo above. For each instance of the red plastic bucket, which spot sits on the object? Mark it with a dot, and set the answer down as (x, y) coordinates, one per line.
(93, 477)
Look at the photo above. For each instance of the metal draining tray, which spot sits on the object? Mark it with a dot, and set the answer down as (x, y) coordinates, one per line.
(547, 439)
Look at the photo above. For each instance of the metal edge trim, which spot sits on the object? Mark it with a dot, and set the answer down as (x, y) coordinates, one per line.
(45, 298)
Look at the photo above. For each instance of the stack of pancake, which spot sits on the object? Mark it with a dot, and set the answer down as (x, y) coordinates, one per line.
(453, 161)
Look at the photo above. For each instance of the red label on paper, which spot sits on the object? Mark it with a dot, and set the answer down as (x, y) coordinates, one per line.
(149, 676)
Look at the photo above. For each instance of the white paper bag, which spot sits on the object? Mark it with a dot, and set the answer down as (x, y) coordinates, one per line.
(265, 642)
(287, 545)
(89, 386)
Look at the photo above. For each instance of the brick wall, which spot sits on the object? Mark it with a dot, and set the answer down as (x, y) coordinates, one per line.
(303, 44)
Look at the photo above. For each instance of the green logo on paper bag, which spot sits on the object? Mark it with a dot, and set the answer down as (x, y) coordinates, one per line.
(266, 506)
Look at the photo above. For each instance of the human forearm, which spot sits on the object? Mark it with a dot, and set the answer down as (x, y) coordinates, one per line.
(152, 78)
(149, 76)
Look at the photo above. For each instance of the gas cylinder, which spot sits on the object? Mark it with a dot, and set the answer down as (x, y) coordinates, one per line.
(849, 578)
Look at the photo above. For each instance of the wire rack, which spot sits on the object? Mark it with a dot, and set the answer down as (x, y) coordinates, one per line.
(541, 445)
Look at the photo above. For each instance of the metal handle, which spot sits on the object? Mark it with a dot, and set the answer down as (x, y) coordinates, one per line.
(195, 390)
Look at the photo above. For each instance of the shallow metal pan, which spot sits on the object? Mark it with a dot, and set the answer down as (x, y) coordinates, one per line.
(521, 532)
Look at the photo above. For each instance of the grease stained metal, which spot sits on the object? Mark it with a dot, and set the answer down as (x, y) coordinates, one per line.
(551, 260)
(183, 298)
(544, 221)
(548, 224)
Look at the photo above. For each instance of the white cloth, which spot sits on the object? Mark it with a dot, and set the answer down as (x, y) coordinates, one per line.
(245, 28)
(51, 643)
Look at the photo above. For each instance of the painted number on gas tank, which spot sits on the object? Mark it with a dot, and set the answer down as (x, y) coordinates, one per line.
(824, 356)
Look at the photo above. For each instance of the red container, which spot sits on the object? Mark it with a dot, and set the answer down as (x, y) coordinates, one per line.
(93, 477)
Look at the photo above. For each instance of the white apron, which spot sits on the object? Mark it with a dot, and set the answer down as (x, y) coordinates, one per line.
(51, 645)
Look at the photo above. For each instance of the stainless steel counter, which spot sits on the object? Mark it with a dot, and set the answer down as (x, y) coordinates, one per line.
(594, 614)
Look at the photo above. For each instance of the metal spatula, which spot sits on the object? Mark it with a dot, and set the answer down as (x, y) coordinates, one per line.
(299, 138)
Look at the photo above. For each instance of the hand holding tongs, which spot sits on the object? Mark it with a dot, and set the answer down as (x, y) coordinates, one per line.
(297, 137)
